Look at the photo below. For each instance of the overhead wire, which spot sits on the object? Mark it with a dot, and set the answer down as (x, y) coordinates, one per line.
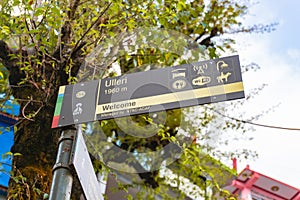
(255, 123)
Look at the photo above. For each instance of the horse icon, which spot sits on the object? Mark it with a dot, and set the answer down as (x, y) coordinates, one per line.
(223, 77)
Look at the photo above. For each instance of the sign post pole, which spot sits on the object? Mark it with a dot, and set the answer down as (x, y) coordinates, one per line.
(62, 177)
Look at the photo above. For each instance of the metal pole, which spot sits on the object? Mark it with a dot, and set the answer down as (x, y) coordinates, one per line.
(62, 176)
(205, 191)
(205, 186)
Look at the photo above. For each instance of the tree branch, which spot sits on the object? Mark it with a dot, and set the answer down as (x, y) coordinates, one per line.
(66, 30)
(5, 51)
(15, 75)
(207, 41)
(87, 31)
(73, 7)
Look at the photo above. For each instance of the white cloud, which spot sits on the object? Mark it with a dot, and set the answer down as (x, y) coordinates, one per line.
(294, 54)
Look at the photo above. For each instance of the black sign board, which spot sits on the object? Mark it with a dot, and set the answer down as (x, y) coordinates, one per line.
(150, 91)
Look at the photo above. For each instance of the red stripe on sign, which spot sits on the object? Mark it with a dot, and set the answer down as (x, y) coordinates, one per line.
(55, 121)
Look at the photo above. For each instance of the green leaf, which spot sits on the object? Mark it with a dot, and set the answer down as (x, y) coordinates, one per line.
(45, 196)
(39, 11)
(9, 153)
(55, 11)
(180, 6)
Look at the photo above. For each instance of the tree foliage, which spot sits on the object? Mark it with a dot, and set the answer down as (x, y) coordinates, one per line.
(43, 45)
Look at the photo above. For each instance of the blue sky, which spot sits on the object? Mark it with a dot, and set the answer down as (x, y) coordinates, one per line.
(278, 55)
(286, 13)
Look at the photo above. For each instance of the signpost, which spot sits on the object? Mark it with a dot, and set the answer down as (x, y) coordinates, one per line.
(143, 92)
(150, 91)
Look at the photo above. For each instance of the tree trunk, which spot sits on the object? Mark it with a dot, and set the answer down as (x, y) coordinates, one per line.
(37, 144)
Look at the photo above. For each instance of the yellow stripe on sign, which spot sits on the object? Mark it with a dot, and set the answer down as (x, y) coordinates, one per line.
(170, 97)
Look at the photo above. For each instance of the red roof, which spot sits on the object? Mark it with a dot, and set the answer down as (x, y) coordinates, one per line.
(262, 186)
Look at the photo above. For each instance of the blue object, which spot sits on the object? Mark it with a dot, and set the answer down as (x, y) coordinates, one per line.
(6, 141)
(8, 110)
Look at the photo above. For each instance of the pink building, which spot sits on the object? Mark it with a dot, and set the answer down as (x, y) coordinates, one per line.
(251, 185)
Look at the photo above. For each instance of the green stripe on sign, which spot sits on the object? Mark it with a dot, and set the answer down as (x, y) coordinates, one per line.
(59, 100)
(58, 104)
